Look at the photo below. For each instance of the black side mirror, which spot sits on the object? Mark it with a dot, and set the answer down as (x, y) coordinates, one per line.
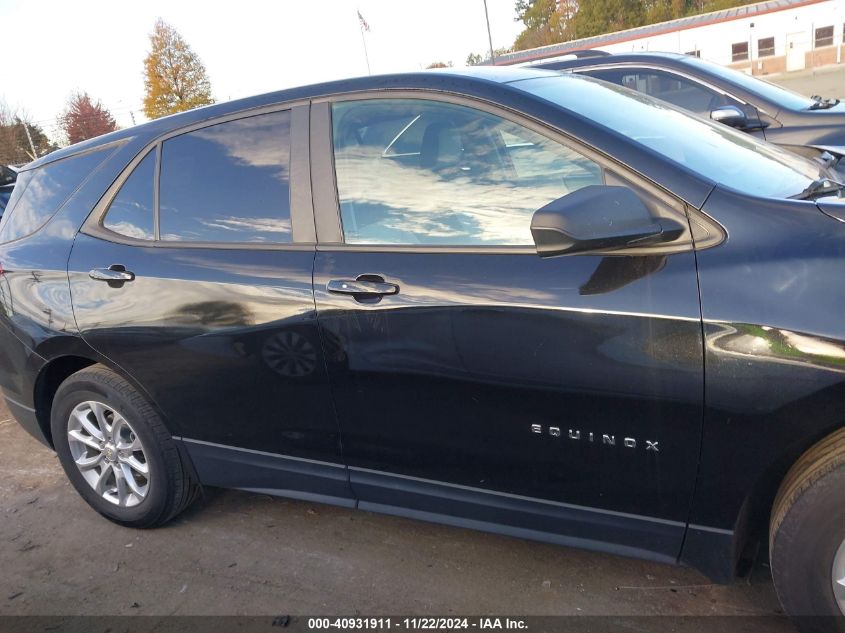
(730, 115)
(598, 218)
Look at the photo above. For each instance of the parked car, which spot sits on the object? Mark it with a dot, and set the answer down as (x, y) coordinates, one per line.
(810, 126)
(483, 297)
(8, 176)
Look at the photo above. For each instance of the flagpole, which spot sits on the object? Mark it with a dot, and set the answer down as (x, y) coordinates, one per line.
(364, 42)
(489, 36)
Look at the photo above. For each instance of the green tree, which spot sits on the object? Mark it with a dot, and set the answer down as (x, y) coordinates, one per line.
(554, 21)
(546, 22)
(175, 79)
(474, 59)
(596, 17)
(717, 5)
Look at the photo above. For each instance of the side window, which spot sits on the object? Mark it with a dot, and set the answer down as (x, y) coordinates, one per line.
(131, 211)
(766, 47)
(411, 171)
(739, 52)
(228, 182)
(678, 91)
(824, 36)
(39, 193)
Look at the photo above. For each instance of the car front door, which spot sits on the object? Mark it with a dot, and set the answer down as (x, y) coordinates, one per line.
(679, 90)
(194, 277)
(481, 384)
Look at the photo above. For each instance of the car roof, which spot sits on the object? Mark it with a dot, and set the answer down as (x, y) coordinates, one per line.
(447, 79)
(570, 61)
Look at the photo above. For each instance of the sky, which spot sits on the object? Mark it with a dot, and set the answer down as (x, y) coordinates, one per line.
(51, 49)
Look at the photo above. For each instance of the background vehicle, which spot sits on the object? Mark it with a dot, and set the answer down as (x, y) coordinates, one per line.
(808, 126)
(7, 183)
(447, 296)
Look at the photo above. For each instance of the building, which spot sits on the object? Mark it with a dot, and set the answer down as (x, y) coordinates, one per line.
(763, 38)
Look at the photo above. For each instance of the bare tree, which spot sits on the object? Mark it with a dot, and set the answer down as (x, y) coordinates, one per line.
(21, 140)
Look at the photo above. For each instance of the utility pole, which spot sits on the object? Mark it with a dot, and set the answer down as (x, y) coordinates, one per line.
(489, 37)
(29, 136)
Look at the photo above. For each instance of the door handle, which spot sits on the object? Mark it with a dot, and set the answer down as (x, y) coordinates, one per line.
(363, 286)
(114, 273)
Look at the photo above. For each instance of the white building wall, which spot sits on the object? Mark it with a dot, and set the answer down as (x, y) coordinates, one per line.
(796, 26)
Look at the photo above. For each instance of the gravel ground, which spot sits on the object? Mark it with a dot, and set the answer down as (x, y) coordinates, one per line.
(238, 553)
(828, 81)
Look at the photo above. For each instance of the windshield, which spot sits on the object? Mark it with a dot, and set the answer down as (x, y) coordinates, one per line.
(782, 97)
(717, 152)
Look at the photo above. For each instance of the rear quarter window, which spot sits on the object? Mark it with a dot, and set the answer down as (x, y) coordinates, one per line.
(39, 193)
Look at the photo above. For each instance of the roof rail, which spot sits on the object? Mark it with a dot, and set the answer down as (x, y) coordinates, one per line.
(587, 52)
(583, 53)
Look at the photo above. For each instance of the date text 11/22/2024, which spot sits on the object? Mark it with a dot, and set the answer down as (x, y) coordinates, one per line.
(417, 623)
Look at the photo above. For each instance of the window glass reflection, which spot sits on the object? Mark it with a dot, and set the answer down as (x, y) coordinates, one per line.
(131, 211)
(678, 91)
(719, 153)
(412, 171)
(40, 193)
(228, 182)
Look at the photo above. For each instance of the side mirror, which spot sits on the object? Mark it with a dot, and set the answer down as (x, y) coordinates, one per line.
(730, 115)
(598, 217)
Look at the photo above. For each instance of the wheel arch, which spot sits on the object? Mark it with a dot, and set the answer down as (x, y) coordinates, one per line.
(724, 553)
(53, 374)
(759, 503)
(59, 368)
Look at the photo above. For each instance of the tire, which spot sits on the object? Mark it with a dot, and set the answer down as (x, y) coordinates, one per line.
(806, 533)
(97, 413)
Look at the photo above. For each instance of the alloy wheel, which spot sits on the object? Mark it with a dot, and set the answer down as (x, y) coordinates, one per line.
(837, 577)
(108, 453)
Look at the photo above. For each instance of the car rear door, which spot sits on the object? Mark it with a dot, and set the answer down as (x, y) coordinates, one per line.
(474, 381)
(193, 275)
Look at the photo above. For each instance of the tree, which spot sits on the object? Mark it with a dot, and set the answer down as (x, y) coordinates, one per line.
(174, 76)
(440, 65)
(554, 21)
(84, 119)
(15, 148)
(474, 59)
(596, 17)
(546, 22)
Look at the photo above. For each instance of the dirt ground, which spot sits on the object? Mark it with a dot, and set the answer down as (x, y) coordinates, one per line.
(237, 553)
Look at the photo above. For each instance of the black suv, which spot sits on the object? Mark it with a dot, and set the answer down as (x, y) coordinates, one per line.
(509, 299)
(809, 126)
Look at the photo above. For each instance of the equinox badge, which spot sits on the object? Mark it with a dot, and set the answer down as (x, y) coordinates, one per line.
(594, 438)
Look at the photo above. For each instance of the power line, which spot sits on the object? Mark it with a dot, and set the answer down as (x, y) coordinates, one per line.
(117, 112)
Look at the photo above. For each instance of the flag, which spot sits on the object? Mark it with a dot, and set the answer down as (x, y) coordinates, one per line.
(363, 22)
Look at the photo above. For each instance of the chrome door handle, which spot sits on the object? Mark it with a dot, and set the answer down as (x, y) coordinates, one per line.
(115, 272)
(370, 285)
